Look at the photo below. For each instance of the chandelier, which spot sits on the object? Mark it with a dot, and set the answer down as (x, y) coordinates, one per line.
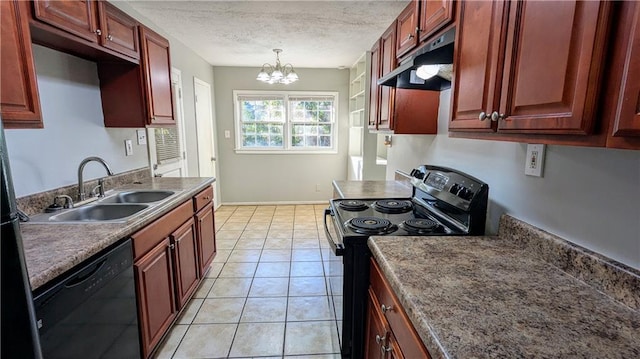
(277, 74)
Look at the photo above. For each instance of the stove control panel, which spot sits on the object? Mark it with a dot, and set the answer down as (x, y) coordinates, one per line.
(461, 191)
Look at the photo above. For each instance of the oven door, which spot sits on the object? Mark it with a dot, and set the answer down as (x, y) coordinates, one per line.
(333, 258)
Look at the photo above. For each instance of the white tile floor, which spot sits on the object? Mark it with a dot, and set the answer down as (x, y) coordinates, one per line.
(265, 295)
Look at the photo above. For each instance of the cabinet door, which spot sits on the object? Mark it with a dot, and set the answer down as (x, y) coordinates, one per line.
(627, 116)
(478, 64)
(157, 75)
(154, 287)
(416, 112)
(376, 332)
(206, 237)
(19, 100)
(553, 65)
(374, 91)
(119, 30)
(185, 259)
(434, 15)
(387, 64)
(76, 17)
(407, 37)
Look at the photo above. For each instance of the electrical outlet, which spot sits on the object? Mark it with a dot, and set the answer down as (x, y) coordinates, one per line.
(227, 134)
(535, 160)
(318, 188)
(128, 147)
(142, 137)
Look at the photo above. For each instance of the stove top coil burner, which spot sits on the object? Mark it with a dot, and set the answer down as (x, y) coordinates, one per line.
(422, 225)
(371, 225)
(392, 206)
(353, 205)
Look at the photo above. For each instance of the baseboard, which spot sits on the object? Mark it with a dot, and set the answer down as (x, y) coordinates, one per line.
(274, 203)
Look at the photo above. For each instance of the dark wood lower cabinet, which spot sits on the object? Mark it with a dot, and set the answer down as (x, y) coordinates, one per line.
(206, 237)
(185, 258)
(155, 288)
(400, 337)
(172, 255)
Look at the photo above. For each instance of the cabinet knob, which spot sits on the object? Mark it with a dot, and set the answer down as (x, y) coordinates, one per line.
(483, 116)
(109, 37)
(385, 308)
(495, 116)
(172, 246)
(380, 339)
(153, 118)
(98, 32)
(410, 36)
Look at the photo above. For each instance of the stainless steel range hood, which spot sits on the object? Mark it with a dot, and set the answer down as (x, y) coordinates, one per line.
(436, 52)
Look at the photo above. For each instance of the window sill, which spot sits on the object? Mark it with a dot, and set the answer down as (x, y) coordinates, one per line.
(285, 152)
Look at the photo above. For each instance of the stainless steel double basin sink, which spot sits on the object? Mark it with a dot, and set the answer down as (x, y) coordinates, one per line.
(117, 207)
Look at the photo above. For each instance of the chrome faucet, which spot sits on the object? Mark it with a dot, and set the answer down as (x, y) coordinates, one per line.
(81, 194)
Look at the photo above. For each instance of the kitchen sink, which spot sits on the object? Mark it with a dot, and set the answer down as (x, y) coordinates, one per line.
(99, 212)
(137, 197)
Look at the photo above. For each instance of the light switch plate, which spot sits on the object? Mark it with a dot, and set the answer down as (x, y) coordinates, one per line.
(227, 134)
(535, 160)
(128, 147)
(142, 137)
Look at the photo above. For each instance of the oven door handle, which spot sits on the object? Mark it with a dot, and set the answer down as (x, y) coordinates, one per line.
(338, 248)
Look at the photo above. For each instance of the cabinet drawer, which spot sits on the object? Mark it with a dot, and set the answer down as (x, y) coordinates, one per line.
(399, 322)
(201, 199)
(151, 235)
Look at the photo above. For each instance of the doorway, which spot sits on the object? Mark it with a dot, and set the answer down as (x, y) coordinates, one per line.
(166, 144)
(204, 133)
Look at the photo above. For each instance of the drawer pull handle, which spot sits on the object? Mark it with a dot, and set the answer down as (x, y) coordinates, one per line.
(380, 339)
(385, 308)
(206, 198)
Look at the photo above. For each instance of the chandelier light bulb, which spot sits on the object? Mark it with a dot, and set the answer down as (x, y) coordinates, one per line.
(277, 74)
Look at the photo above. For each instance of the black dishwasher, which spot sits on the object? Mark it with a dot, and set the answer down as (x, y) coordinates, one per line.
(91, 311)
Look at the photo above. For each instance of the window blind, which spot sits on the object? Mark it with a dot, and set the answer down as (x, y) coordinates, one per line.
(167, 144)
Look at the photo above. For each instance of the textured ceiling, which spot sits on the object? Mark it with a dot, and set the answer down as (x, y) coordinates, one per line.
(316, 34)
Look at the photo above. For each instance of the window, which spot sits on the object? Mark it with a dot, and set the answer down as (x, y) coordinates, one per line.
(285, 121)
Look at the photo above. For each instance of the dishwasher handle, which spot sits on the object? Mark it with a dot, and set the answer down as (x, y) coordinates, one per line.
(338, 248)
(85, 275)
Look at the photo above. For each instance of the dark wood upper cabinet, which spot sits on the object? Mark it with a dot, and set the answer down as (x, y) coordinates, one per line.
(156, 67)
(19, 100)
(387, 64)
(478, 60)
(119, 30)
(407, 28)
(374, 90)
(434, 15)
(76, 17)
(553, 65)
(623, 87)
(544, 79)
(139, 96)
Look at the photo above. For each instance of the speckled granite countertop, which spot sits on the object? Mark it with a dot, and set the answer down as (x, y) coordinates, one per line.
(522, 294)
(53, 248)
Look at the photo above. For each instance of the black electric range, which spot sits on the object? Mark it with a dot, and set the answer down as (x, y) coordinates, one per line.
(444, 202)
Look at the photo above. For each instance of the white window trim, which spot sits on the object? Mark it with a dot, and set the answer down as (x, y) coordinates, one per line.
(287, 125)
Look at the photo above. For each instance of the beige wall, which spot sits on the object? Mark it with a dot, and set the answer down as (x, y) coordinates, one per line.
(254, 178)
(589, 196)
